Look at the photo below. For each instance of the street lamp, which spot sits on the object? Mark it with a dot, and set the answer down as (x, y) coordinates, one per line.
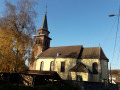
(112, 15)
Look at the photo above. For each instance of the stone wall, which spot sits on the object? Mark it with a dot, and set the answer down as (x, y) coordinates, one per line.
(69, 63)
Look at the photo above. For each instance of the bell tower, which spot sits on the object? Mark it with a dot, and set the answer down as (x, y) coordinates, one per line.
(42, 40)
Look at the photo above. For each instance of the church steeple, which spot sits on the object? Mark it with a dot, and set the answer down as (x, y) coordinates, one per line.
(42, 40)
(44, 23)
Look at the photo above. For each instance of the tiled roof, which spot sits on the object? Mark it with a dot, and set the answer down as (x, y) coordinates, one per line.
(79, 67)
(44, 74)
(62, 52)
(39, 72)
(93, 53)
(74, 52)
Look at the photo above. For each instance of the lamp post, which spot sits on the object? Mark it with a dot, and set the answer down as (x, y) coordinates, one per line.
(112, 15)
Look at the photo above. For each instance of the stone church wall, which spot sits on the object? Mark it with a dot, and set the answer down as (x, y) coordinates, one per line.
(89, 62)
(33, 66)
(83, 74)
(104, 64)
(46, 65)
(69, 63)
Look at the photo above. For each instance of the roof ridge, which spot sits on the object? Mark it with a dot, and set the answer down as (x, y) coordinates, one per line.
(91, 47)
(67, 46)
(65, 52)
(93, 53)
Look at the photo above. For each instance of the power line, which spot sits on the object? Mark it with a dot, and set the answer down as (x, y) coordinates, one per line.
(110, 31)
(118, 54)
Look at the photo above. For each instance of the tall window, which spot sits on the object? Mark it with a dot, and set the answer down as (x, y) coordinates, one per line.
(38, 41)
(95, 68)
(62, 66)
(41, 66)
(51, 66)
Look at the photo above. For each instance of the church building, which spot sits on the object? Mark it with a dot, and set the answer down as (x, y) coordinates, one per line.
(70, 62)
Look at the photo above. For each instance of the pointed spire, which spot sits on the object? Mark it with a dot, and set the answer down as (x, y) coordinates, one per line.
(44, 23)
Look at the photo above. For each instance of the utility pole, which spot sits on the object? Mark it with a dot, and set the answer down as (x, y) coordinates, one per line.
(116, 36)
(110, 74)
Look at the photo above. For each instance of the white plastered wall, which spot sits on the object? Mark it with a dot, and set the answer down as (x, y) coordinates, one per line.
(88, 63)
(69, 63)
(104, 67)
(83, 74)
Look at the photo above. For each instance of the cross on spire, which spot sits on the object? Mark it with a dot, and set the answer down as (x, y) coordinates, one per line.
(46, 8)
(44, 23)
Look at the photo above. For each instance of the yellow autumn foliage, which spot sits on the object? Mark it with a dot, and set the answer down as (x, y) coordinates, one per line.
(16, 28)
(12, 53)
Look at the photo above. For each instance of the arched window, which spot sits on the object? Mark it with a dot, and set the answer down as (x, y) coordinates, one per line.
(41, 66)
(95, 68)
(51, 66)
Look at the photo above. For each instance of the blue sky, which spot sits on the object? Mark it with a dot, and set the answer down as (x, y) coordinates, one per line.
(81, 22)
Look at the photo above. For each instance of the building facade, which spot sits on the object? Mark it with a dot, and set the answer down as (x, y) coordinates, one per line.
(70, 62)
